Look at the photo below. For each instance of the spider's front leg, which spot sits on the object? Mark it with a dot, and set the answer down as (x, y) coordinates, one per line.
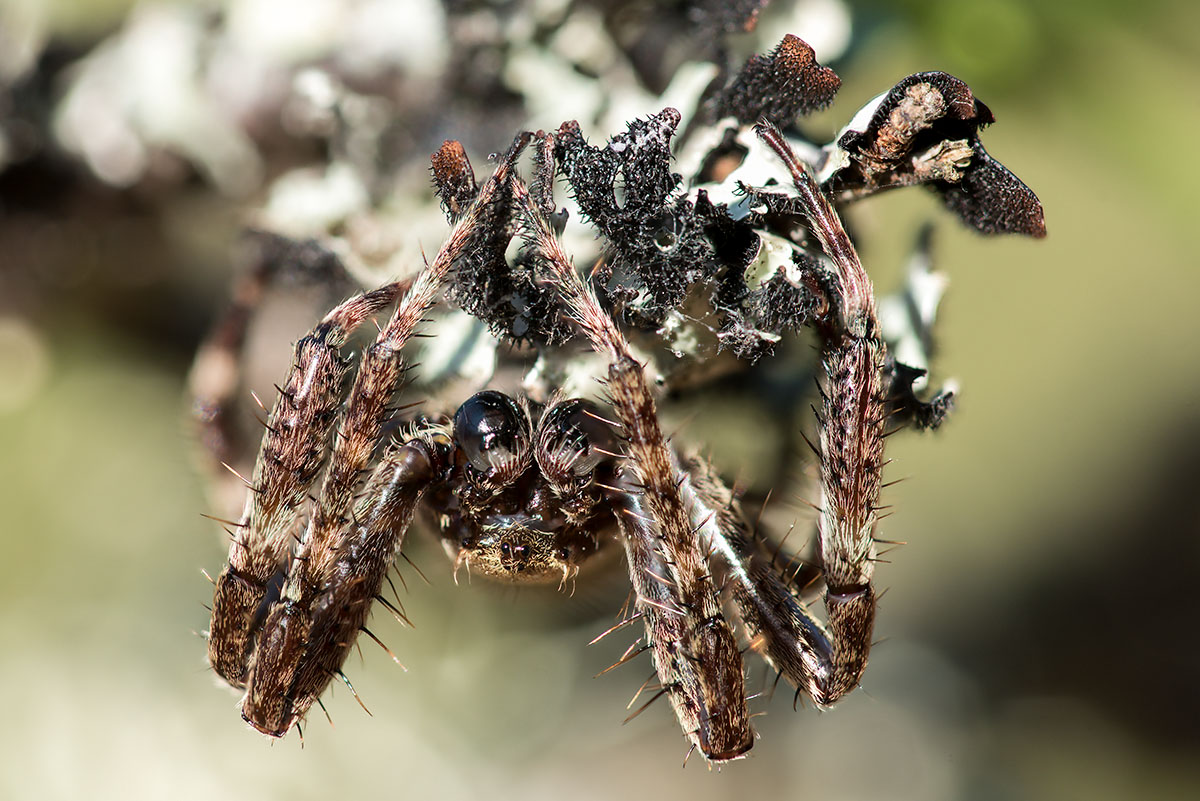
(826, 662)
(291, 456)
(308, 634)
(215, 379)
(693, 647)
(285, 650)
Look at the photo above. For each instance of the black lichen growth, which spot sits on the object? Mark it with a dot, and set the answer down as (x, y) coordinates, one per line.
(485, 284)
(767, 313)
(993, 200)
(779, 306)
(907, 407)
(778, 86)
(627, 190)
(662, 244)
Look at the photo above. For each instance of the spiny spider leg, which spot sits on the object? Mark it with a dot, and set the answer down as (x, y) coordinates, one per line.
(274, 690)
(293, 448)
(214, 378)
(305, 640)
(851, 442)
(766, 597)
(292, 452)
(366, 410)
(694, 650)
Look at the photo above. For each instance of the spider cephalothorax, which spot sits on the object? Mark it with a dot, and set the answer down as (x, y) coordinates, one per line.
(524, 503)
(528, 489)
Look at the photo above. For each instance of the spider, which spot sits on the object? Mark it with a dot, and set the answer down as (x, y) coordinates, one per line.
(527, 492)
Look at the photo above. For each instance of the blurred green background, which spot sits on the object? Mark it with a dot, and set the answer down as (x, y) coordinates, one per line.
(1036, 632)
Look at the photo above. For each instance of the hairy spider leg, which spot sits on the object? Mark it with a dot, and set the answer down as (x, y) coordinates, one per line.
(693, 648)
(305, 642)
(272, 699)
(765, 595)
(214, 381)
(852, 418)
(292, 453)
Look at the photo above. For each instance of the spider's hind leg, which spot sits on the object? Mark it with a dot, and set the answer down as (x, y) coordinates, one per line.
(767, 595)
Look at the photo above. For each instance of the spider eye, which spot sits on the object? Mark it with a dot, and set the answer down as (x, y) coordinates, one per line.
(491, 429)
(573, 440)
